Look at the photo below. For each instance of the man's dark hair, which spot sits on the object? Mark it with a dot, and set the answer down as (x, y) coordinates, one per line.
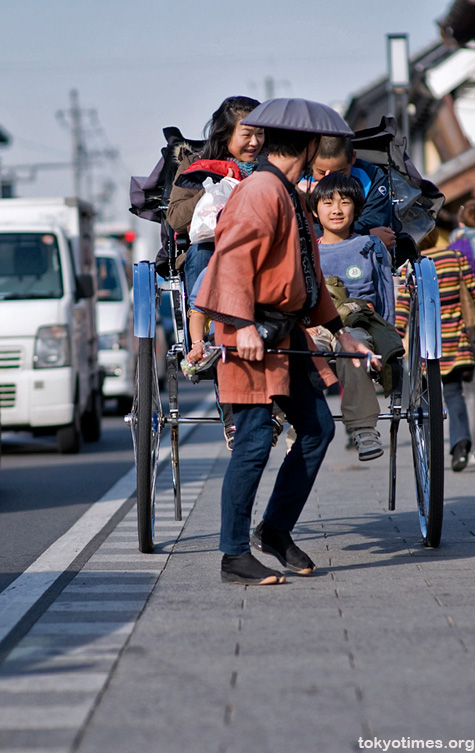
(285, 143)
(221, 126)
(334, 146)
(348, 188)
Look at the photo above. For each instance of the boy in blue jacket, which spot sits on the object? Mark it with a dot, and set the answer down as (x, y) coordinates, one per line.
(362, 263)
(336, 154)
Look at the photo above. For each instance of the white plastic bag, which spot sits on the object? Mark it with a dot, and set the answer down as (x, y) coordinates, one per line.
(203, 222)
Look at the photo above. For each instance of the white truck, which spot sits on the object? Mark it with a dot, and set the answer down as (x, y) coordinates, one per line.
(50, 379)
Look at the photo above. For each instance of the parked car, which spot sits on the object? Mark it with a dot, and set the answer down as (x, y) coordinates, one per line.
(114, 313)
(50, 379)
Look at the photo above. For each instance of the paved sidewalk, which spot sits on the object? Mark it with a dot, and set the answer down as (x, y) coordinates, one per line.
(378, 644)
(153, 653)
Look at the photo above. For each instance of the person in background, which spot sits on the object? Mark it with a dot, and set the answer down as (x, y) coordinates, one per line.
(457, 362)
(463, 238)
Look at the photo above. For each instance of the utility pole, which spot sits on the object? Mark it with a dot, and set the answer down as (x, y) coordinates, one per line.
(269, 87)
(73, 119)
(399, 80)
(79, 147)
(81, 123)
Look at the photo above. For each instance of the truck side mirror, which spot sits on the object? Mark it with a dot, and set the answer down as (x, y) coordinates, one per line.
(84, 286)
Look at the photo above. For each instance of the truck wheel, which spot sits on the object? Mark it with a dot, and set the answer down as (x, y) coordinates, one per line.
(91, 420)
(68, 438)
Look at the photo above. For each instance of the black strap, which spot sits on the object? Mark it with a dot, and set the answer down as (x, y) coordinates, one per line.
(305, 237)
(306, 253)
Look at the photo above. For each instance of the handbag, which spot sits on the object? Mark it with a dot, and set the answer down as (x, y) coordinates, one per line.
(273, 325)
(203, 222)
(468, 307)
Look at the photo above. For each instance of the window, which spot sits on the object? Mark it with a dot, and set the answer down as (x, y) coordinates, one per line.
(30, 266)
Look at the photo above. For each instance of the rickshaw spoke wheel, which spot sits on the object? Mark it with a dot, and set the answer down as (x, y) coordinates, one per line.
(425, 417)
(149, 422)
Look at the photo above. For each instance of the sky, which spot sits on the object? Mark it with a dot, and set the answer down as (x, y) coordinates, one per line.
(141, 66)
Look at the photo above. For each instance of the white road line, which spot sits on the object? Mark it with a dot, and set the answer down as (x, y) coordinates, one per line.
(43, 683)
(75, 606)
(32, 584)
(30, 718)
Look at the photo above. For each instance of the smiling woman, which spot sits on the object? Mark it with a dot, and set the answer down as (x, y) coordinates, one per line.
(231, 150)
(227, 140)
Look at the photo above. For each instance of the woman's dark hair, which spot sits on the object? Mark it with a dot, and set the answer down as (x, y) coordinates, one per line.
(221, 126)
(347, 187)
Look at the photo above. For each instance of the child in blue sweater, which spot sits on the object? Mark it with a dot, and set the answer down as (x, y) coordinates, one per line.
(362, 263)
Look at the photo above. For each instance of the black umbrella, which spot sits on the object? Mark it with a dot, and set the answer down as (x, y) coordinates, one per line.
(298, 115)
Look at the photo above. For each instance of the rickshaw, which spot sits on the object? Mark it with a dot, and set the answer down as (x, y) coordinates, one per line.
(416, 203)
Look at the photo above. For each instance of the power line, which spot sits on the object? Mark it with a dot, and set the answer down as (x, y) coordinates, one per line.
(80, 122)
(90, 147)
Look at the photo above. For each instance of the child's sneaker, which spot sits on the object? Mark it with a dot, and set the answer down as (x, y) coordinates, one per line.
(368, 443)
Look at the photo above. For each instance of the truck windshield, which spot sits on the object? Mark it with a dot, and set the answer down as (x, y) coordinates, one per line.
(108, 279)
(29, 266)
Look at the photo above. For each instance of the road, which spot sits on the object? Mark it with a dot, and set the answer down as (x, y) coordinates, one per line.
(42, 493)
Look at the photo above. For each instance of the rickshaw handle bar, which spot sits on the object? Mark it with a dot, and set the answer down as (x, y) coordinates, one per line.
(313, 353)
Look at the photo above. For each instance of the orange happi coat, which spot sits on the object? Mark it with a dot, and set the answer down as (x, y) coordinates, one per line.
(257, 260)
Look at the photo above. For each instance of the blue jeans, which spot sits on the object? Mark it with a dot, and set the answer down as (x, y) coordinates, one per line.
(196, 259)
(459, 426)
(307, 410)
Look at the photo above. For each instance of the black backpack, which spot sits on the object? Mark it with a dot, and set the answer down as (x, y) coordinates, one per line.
(415, 201)
(149, 197)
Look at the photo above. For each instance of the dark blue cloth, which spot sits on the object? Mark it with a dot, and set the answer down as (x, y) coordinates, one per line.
(306, 409)
(459, 424)
(377, 207)
(197, 258)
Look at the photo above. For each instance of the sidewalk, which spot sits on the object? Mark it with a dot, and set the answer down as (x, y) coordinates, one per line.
(154, 653)
(379, 643)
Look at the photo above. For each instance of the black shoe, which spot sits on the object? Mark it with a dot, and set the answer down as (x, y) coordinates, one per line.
(460, 455)
(279, 543)
(244, 568)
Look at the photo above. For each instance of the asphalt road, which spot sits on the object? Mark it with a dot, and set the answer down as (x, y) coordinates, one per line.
(43, 493)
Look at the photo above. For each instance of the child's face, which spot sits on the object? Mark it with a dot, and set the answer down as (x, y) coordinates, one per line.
(336, 214)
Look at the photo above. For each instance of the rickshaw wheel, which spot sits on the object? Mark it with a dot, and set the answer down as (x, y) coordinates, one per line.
(172, 373)
(149, 426)
(425, 418)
